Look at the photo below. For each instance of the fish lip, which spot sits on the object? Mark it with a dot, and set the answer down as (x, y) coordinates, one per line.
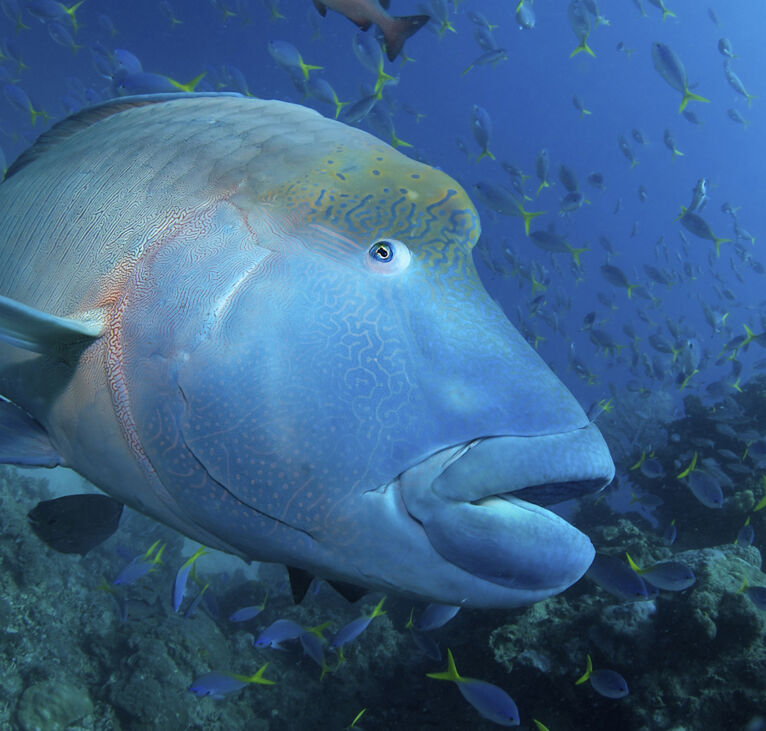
(579, 479)
(475, 503)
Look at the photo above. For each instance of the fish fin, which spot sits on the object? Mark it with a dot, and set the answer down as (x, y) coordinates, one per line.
(718, 243)
(633, 564)
(588, 671)
(378, 609)
(300, 579)
(450, 673)
(485, 153)
(23, 441)
(85, 118)
(399, 30)
(350, 592)
(189, 85)
(385, 4)
(35, 330)
(583, 47)
(75, 523)
(321, 8)
(690, 96)
(258, 677)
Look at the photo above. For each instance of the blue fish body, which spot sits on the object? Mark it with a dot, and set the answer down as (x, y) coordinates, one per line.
(288, 355)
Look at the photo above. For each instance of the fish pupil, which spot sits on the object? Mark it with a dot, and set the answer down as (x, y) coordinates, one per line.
(382, 251)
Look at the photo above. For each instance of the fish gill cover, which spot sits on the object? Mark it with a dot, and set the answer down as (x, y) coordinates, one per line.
(611, 152)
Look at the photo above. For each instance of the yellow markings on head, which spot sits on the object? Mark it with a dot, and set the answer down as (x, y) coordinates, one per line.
(362, 195)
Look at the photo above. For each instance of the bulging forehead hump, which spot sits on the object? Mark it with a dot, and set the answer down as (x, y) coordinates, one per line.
(264, 154)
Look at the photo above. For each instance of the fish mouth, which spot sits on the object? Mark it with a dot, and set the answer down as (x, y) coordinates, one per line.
(481, 507)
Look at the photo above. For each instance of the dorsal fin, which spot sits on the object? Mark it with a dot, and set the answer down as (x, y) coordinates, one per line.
(32, 329)
(86, 117)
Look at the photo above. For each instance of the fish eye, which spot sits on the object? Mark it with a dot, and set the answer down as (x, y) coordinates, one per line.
(382, 251)
(388, 256)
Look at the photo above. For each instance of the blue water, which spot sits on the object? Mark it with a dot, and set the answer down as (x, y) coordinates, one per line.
(529, 99)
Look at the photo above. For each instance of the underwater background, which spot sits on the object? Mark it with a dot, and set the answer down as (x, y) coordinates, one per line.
(640, 283)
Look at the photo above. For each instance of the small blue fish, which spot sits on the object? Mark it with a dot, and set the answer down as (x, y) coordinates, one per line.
(321, 90)
(491, 702)
(311, 642)
(279, 631)
(179, 585)
(369, 53)
(756, 594)
(219, 685)
(354, 628)
(666, 575)
(652, 468)
(288, 56)
(127, 61)
(616, 577)
(745, 535)
(423, 640)
(435, 616)
(706, 489)
(145, 82)
(140, 566)
(670, 534)
(192, 609)
(481, 126)
(608, 683)
(247, 613)
(20, 100)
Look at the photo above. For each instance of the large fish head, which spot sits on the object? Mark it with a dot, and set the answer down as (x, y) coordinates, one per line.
(367, 407)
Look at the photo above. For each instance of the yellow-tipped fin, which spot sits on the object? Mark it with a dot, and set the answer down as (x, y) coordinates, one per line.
(306, 67)
(583, 47)
(576, 253)
(527, 216)
(633, 564)
(743, 587)
(588, 671)
(762, 502)
(318, 630)
(718, 243)
(686, 380)
(189, 86)
(151, 548)
(680, 215)
(378, 609)
(450, 673)
(257, 677)
(201, 551)
(410, 622)
(70, 11)
(158, 558)
(690, 468)
(690, 96)
(486, 152)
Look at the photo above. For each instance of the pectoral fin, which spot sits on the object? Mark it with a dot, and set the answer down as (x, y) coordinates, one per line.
(23, 441)
(32, 329)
